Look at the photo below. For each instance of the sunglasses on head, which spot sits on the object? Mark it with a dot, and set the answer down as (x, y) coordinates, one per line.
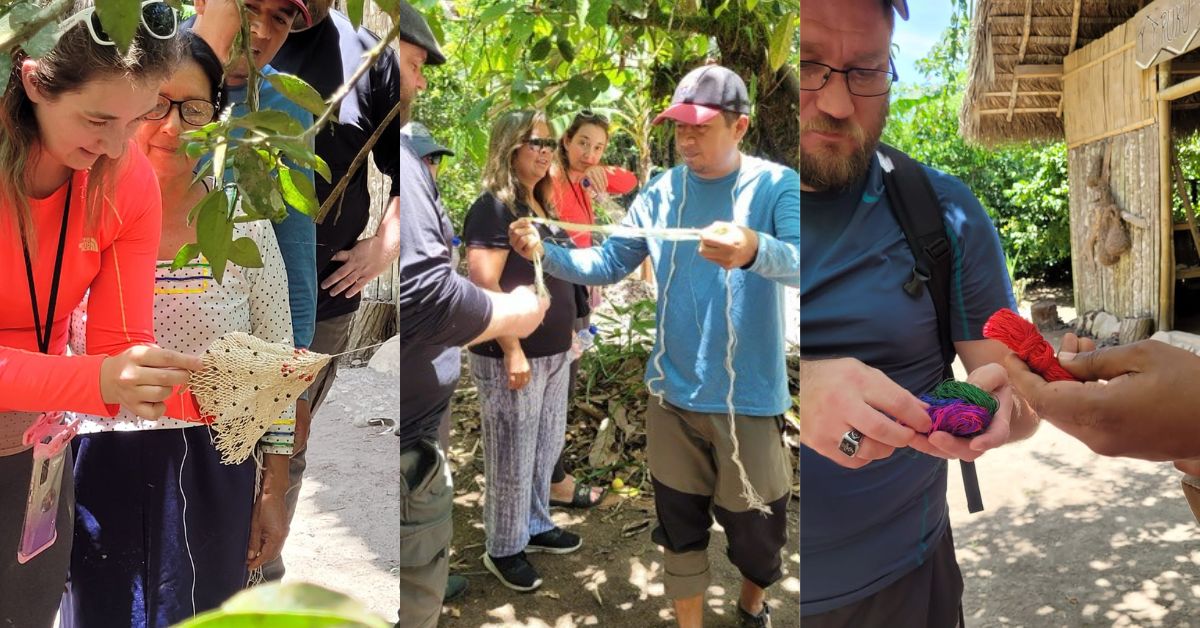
(158, 18)
(587, 115)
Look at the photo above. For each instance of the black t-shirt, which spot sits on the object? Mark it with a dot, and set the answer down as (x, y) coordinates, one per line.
(325, 56)
(486, 225)
(440, 310)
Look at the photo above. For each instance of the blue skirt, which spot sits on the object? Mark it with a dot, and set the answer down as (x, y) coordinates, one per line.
(137, 560)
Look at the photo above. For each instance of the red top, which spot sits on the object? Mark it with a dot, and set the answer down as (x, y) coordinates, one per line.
(574, 202)
(115, 262)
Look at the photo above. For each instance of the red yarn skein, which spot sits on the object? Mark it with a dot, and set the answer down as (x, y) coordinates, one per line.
(1024, 339)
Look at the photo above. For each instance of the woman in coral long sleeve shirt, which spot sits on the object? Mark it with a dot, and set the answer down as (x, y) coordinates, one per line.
(579, 174)
(79, 212)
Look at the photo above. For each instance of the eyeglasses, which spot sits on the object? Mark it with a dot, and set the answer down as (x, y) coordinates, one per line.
(194, 112)
(859, 81)
(158, 18)
(433, 160)
(544, 143)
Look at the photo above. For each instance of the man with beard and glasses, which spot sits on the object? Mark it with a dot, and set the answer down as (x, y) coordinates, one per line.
(875, 540)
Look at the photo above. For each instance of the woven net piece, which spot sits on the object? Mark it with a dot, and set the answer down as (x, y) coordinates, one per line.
(246, 384)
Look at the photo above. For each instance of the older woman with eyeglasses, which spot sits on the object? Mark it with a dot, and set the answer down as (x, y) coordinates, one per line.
(522, 382)
(164, 530)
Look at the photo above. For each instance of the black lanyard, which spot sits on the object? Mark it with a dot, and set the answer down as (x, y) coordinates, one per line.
(44, 341)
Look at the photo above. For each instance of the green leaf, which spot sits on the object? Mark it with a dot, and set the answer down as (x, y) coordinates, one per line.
(277, 121)
(187, 253)
(565, 48)
(493, 13)
(540, 49)
(16, 17)
(750, 4)
(781, 42)
(301, 155)
(299, 92)
(354, 11)
(298, 191)
(214, 233)
(597, 15)
(120, 19)
(42, 41)
(600, 83)
(291, 605)
(391, 7)
(5, 70)
(244, 252)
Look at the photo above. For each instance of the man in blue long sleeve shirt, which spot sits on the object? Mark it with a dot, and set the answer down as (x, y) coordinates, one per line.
(730, 283)
(218, 22)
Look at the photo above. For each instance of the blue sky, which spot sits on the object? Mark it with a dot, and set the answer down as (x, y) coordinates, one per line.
(913, 39)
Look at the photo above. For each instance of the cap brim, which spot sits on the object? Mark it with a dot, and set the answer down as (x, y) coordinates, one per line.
(688, 113)
(300, 4)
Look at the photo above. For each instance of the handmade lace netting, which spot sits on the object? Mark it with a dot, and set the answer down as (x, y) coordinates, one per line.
(246, 384)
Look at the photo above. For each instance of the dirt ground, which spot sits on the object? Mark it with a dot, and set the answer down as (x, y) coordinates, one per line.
(345, 535)
(1069, 538)
(614, 580)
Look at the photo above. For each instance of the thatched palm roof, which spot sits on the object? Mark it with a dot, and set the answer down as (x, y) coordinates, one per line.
(1028, 39)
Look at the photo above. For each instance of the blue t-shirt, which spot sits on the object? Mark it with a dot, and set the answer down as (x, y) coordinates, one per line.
(297, 234)
(861, 530)
(691, 290)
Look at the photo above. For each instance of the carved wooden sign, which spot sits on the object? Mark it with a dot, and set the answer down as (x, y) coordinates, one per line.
(1165, 29)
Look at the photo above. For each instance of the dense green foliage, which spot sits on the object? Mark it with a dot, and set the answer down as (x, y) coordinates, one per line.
(1023, 187)
(621, 58)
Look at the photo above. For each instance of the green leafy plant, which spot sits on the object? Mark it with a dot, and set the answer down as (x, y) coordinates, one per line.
(292, 605)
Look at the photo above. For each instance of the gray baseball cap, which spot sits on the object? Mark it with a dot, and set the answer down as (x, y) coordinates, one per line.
(415, 30)
(705, 92)
(423, 142)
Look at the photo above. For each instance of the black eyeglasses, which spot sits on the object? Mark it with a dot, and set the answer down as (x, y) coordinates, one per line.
(859, 81)
(545, 143)
(433, 160)
(194, 112)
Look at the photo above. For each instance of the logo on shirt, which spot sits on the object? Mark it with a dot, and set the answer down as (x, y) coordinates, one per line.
(89, 245)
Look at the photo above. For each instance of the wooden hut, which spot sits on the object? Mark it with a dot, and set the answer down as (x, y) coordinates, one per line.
(1115, 80)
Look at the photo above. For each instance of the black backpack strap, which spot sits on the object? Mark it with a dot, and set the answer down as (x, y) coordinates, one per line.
(917, 210)
(919, 213)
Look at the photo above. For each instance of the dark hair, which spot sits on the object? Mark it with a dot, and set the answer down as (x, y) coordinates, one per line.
(73, 62)
(731, 117)
(198, 50)
(583, 117)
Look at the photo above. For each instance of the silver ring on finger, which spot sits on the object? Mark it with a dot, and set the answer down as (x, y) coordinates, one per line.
(850, 442)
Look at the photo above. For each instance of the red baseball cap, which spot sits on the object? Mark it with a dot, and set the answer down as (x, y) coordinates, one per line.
(705, 92)
(300, 4)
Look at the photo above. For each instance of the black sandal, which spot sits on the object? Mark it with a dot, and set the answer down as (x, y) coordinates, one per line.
(581, 498)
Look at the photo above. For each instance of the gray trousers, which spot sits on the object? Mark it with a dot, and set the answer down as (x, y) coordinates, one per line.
(426, 525)
(331, 336)
(30, 593)
(522, 437)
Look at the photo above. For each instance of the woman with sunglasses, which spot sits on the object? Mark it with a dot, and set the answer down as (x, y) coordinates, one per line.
(163, 529)
(79, 213)
(522, 382)
(579, 176)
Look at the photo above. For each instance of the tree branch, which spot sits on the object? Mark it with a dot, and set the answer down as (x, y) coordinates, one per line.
(368, 61)
(45, 16)
(340, 188)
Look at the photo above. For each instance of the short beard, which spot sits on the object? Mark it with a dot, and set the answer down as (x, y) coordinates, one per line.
(828, 170)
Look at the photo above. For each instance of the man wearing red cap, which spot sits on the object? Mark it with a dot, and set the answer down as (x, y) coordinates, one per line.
(718, 357)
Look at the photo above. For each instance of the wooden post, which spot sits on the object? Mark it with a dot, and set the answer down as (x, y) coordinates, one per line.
(1166, 280)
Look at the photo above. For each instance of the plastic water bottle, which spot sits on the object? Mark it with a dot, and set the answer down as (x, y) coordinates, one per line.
(583, 341)
(454, 244)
